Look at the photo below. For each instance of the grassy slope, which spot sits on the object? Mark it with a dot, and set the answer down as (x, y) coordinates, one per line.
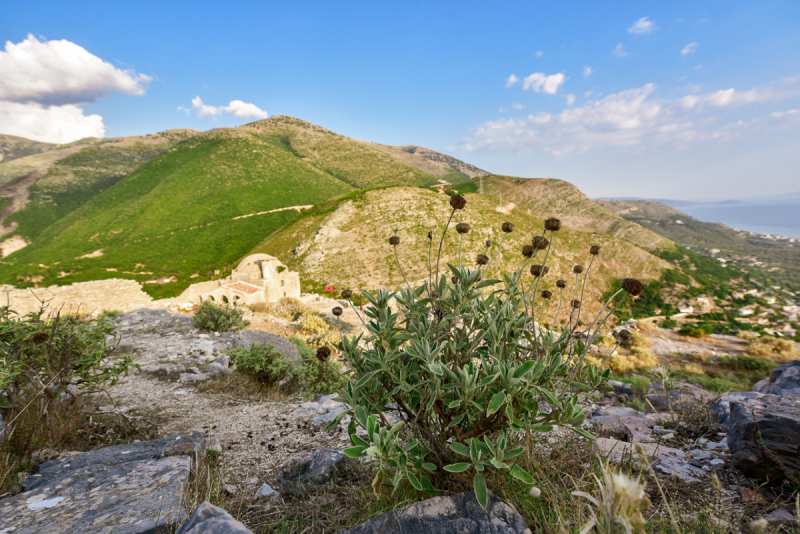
(348, 247)
(562, 199)
(702, 236)
(13, 147)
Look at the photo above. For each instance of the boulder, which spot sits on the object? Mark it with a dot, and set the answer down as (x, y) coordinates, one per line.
(683, 396)
(210, 519)
(665, 460)
(457, 514)
(783, 380)
(245, 338)
(311, 468)
(777, 419)
(722, 406)
(215, 369)
(127, 489)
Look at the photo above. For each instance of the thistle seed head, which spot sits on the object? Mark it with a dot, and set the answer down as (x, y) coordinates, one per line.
(539, 270)
(632, 286)
(454, 280)
(462, 228)
(561, 284)
(576, 304)
(394, 240)
(624, 335)
(337, 311)
(577, 269)
(546, 294)
(594, 250)
(430, 236)
(347, 293)
(508, 227)
(457, 202)
(323, 353)
(528, 251)
(540, 242)
(488, 244)
(483, 259)
(434, 294)
(552, 224)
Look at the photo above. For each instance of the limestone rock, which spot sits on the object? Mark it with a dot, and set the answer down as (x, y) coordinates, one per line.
(722, 407)
(193, 377)
(782, 518)
(311, 468)
(778, 421)
(265, 492)
(245, 338)
(458, 514)
(683, 395)
(166, 369)
(215, 369)
(783, 380)
(665, 460)
(210, 519)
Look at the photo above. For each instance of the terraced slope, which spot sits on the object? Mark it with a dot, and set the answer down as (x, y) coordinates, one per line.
(347, 245)
(562, 199)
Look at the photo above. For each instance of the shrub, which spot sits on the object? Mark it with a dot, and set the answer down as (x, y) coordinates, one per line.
(669, 324)
(466, 372)
(604, 340)
(290, 309)
(641, 385)
(263, 363)
(319, 376)
(639, 340)
(48, 365)
(314, 324)
(770, 348)
(643, 357)
(219, 317)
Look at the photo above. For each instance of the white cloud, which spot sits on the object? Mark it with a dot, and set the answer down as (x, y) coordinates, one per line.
(619, 51)
(635, 117)
(54, 124)
(539, 82)
(511, 80)
(587, 71)
(517, 105)
(61, 72)
(570, 99)
(237, 108)
(643, 26)
(690, 48)
(538, 53)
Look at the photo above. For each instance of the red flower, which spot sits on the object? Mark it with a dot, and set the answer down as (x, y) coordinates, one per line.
(329, 289)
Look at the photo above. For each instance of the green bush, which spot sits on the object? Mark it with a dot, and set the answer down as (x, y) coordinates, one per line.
(669, 324)
(264, 363)
(219, 317)
(318, 376)
(468, 374)
(48, 365)
(640, 385)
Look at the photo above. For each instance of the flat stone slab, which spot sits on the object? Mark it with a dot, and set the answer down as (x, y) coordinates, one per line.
(458, 514)
(665, 460)
(210, 519)
(126, 498)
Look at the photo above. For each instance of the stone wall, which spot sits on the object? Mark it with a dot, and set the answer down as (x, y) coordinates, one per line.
(88, 297)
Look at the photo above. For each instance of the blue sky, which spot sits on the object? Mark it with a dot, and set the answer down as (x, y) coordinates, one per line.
(653, 115)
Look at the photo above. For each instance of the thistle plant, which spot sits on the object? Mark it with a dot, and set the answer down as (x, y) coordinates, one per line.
(617, 505)
(465, 371)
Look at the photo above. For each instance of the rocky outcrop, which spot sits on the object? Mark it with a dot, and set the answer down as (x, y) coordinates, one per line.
(764, 436)
(682, 396)
(458, 514)
(783, 380)
(127, 489)
(245, 338)
(722, 406)
(311, 468)
(210, 519)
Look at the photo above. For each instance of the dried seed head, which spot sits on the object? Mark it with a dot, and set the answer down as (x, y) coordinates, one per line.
(434, 294)
(430, 236)
(323, 353)
(462, 228)
(394, 240)
(508, 227)
(337, 311)
(577, 269)
(539, 270)
(454, 280)
(561, 284)
(715, 482)
(594, 250)
(540, 242)
(483, 259)
(458, 202)
(640, 453)
(624, 335)
(528, 251)
(347, 293)
(535, 492)
(576, 304)
(632, 286)
(546, 294)
(552, 224)
(759, 525)
(488, 244)
(40, 337)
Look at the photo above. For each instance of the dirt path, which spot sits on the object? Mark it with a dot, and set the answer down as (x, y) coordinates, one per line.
(18, 192)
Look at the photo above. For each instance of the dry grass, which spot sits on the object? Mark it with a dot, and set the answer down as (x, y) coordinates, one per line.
(774, 349)
(243, 387)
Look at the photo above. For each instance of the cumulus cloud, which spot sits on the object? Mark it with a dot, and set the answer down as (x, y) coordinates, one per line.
(643, 26)
(619, 51)
(236, 108)
(54, 124)
(61, 72)
(511, 80)
(570, 99)
(690, 48)
(538, 53)
(44, 82)
(539, 82)
(635, 117)
(587, 71)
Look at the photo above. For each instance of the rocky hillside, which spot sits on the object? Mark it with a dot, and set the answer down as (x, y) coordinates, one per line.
(459, 166)
(13, 147)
